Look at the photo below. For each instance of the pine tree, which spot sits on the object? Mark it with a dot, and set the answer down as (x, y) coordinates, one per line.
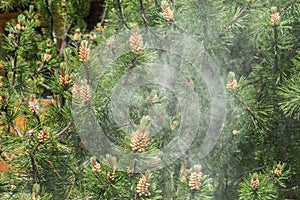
(49, 50)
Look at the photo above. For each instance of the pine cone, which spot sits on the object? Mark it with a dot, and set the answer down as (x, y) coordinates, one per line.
(275, 18)
(195, 180)
(84, 51)
(65, 80)
(136, 42)
(277, 171)
(85, 93)
(100, 27)
(93, 36)
(11, 35)
(76, 89)
(111, 175)
(77, 34)
(20, 27)
(36, 197)
(235, 132)
(143, 187)
(47, 57)
(43, 136)
(232, 83)
(190, 83)
(96, 167)
(139, 140)
(254, 182)
(168, 13)
(33, 106)
(152, 98)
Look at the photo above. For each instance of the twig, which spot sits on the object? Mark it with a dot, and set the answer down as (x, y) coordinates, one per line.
(104, 13)
(16, 129)
(30, 76)
(288, 5)
(14, 67)
(177, 26)
(238, 16)
(203, 17)
(276, 64)
(143, 14)
(122, 17)
(64, 130)
(156, 4)
(247, 108)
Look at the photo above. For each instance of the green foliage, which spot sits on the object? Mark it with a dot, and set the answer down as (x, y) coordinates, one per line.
(42, 56)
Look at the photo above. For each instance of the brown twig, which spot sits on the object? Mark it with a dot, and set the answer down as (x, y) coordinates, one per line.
(238, 16)
(180, 28)
(143, 14)
(30, 76)
(288, 5)
(104, 14)
(122, 17)
(64, 130)
(276, 62)
(247, 107)
(16, 129)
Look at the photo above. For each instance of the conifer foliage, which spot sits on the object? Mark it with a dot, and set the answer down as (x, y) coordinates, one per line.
(255, 45)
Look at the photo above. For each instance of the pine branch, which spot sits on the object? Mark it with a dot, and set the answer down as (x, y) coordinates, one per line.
(247, 107)
(276, 64)
(201, 4)
(104, 13)
(63, 131)
(180, 28)
(236, 18)
(14, 67)
(143, 14)
(16, 129)
(288, 5)
(122, 17)
(30, 76)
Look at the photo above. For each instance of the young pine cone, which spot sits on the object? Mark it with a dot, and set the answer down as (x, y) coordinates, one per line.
(33, 106)
(275, 18)
(232, 83)
(111, 175)
(85, 93)
(136, 42)
(168, 13)
(254, 182)
(139, 140)
(65, 80)
(77, 34)
(43, 136)
(84, 51)
(76, 89)
(96, 167)
(143, 187)
(47, 57)
(278, 171)
(195, 180)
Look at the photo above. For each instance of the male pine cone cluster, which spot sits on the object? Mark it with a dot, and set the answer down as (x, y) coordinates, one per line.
(167, 13)
(84, 51)
(43, 136)
(33, 106)
(254, 182)
(195, 180)
(65, 80)
(136, 42)
(83, 91)
(96, 167)
(139, 140)
(275, 18)
(143, 187)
